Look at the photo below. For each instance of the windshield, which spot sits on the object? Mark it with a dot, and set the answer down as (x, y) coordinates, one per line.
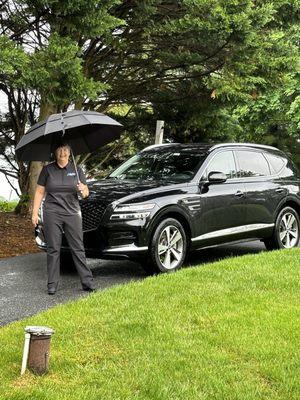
(180, 165)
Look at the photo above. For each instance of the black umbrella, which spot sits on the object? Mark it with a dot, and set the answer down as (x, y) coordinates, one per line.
(85, 131)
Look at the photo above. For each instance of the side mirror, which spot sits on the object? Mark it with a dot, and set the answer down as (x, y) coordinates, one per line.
(216, 177)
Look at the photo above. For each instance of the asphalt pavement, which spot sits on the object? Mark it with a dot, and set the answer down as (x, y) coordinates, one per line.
(23, 289)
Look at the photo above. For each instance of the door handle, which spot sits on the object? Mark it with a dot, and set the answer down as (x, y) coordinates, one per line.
(239, 193)
(279, 190)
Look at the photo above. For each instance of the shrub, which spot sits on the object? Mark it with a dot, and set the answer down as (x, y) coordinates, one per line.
(7, 206)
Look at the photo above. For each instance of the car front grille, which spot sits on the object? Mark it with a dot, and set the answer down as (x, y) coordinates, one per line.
(92, 212)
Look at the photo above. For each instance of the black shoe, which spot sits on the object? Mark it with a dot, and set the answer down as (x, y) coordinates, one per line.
(52, 288)
(88, 289)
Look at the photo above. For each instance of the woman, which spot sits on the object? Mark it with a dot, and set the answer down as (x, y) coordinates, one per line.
(62, 213)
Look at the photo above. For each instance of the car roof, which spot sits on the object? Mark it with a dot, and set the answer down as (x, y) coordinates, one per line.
(206, 147)
(176, 146)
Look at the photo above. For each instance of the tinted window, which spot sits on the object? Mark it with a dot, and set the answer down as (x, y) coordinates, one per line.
(289, 171)
(252, 163)
(222, 162)
(276, 162)
(179, 165)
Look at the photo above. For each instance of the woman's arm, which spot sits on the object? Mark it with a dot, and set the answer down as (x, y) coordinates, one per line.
(38, 197)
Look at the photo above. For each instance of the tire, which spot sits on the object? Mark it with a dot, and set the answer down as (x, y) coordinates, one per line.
(167, 248)
(66, 262)
(286, 233)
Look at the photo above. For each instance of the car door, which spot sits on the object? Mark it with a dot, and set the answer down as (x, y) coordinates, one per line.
(264, 191)
(222, 211)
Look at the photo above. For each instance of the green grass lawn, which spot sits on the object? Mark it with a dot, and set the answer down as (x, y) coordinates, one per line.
(227, 330)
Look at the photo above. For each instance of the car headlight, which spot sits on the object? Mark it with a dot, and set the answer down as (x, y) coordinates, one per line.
(132, 211)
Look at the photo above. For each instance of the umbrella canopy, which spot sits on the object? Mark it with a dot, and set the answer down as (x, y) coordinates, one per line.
(85, 131)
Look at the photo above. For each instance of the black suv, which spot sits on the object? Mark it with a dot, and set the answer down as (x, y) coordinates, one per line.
(170, 198)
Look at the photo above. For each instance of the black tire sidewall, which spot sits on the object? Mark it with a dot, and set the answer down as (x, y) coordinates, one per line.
(155, 261)
(277, 226)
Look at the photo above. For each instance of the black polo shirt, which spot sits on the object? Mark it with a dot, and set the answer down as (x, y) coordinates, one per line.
(61, 188)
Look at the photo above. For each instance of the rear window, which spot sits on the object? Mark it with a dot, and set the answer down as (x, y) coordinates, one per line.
(276, 162)
(251, 164)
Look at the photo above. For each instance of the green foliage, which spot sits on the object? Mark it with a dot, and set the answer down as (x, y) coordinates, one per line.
(7, 206)
(77, 18)
(56, 72)
(213, 70)
(140, 130)
(13, 63)
(227, 330)
(204, 62)
(24, 200)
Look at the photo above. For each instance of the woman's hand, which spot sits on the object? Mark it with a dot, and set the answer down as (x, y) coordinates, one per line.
(35, 219)
(38, 197)
(80, 187)
(83, 189)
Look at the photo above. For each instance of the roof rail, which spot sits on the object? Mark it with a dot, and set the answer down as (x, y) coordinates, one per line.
(153, 146)
(262, 146)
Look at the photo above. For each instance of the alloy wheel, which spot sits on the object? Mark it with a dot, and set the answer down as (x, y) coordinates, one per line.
(288, 230)
(170, 247)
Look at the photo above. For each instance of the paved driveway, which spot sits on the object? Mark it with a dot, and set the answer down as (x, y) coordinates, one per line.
(23, 279)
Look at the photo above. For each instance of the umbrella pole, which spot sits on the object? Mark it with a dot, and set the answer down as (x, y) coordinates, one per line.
(73, 158)
(63, 134)
(75, 166)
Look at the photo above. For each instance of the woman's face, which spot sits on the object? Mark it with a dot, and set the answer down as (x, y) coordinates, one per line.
(62, 154)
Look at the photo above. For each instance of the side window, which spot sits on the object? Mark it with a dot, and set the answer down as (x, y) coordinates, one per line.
(222, 162)
(289, 171)
(252, 163)
(276, 162)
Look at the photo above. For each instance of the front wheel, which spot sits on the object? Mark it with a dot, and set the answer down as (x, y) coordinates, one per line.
(168, 247)
(286, 232)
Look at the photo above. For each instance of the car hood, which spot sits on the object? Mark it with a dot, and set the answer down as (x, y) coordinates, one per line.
(110, 190)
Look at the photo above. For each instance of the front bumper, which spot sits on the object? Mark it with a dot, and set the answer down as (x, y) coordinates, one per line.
(126, 251)
(117, 242)
(105, 237)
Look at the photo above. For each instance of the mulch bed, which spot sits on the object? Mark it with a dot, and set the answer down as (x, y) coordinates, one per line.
(16, 235)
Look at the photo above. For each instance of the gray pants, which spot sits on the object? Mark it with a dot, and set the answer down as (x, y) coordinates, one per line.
(54, 226)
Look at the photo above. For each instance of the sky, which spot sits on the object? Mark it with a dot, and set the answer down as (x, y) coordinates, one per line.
(5, 189)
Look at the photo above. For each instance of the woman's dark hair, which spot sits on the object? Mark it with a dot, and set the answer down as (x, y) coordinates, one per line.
(60, 144)
(56, 146)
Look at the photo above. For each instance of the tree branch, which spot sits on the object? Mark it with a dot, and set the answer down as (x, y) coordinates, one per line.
(89, 172)
(7, 159)
(8, 173)
(11, 185)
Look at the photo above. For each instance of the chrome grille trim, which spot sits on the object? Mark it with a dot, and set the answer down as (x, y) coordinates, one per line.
(92, 212)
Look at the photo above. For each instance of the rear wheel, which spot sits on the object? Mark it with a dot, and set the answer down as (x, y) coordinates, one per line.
(168, 247)
(286, 231)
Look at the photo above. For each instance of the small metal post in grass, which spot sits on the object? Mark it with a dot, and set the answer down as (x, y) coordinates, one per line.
(36, 349)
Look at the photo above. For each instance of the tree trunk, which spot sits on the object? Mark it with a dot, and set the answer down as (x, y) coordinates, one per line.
(26, 202)
(22, 206)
